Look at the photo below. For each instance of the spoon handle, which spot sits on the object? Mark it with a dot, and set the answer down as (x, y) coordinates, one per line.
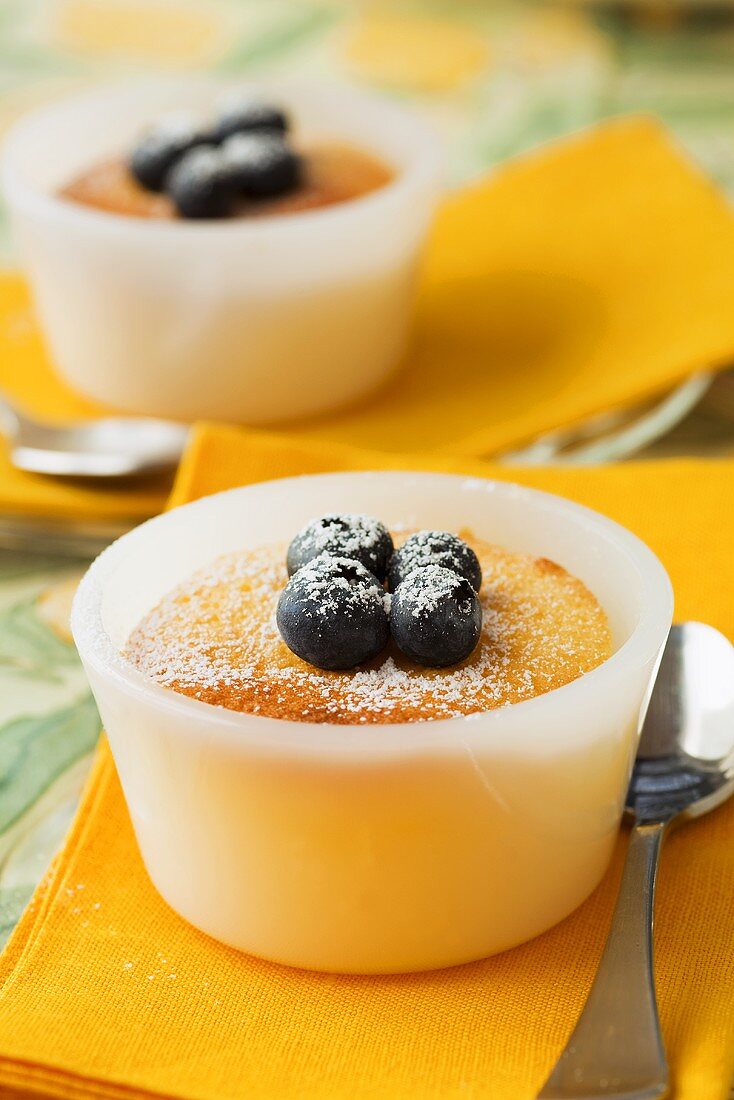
(616, 1049)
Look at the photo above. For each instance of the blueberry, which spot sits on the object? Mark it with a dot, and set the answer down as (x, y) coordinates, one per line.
(198, 185)
(155, 155)
(434, 548)
(435, 617)
(332, 613)
(260, 165)
(344, 535)
(248, 116)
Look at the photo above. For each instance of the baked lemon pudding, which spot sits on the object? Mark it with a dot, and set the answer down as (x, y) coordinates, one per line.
(422, 728)
(245, 162)
(372, 627)
(245, 252)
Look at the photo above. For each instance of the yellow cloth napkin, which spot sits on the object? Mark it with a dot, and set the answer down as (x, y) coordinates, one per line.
(28, 381)
(107, 993)
(590, 274)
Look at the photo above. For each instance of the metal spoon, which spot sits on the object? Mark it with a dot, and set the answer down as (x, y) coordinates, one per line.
(108, 448)
(684, 767)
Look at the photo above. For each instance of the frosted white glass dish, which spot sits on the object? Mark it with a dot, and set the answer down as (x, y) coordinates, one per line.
(249, 320)
(376, 848)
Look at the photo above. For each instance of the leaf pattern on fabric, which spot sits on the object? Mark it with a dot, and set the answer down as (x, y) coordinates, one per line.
(49, 725)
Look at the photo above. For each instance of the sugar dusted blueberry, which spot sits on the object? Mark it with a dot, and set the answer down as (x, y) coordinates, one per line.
(343, 534)
(260, 165)
(198, 185)
(434, 548)
(332, 613)
(340, 568)
(249, 116)
(435, 617)
(159, 150)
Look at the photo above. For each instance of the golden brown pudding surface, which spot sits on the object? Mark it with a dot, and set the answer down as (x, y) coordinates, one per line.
(333, 173)
(214, 638)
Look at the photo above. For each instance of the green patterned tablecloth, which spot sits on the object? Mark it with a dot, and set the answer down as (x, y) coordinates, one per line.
(48, 722)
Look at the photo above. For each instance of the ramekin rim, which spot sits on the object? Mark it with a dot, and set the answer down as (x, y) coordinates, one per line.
(424, 170)
(641, 647)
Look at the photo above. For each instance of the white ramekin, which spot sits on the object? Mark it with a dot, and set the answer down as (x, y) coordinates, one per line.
(384, 847)
(246, 320)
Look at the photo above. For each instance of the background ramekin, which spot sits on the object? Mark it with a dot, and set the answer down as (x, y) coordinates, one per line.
(248, 320)
(375, 848)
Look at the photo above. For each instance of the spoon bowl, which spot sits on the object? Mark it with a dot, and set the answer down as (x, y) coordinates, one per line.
(685, 762)
(111, 447)
(684, 768)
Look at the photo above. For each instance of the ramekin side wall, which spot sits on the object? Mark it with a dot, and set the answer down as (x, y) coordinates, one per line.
(188, 331)
(276, 852)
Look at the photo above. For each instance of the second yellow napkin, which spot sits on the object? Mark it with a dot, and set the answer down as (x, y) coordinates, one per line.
(587, 275)
(105, 992)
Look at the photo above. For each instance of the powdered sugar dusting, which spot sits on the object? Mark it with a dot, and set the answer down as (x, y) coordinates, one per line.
(350, 534)
(428, 589)
(437, 548)
(324, 579)
(257, 149)
(200, 163)
(215, 638)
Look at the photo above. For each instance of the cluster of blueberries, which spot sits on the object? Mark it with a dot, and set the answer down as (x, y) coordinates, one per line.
(245, 154)
(335, 612)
